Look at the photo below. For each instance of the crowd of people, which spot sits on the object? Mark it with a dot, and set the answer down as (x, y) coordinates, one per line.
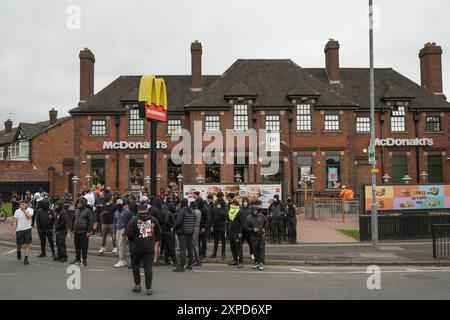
(160, 230)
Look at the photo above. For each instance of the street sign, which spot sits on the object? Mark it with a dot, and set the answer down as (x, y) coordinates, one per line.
(371, 152)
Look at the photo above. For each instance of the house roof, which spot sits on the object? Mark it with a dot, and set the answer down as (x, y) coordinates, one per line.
(126, 89)
(354, 84)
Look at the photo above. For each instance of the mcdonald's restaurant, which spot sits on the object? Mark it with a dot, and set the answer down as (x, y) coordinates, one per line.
(318, 120)
(320, 117)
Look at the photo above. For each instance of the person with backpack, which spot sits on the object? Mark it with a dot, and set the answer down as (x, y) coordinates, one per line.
(276, 212)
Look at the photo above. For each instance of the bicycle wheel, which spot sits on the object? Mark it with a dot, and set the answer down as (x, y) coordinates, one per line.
(3, 215)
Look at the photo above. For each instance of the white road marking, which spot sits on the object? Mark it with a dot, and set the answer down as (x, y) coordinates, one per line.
(9, 252)
(304, 271)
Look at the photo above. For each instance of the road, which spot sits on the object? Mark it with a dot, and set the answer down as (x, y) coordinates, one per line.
(44, 279)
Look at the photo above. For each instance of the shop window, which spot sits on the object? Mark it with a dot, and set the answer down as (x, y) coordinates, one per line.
(173, 127)
(173, 171)
(433, 124)
(212, 123)
(435, 170)
(136, 172)
(241, 168)
(363, 124)
(277, 177)
(399, 168)
(304, 117)
(332, 122)
(398, 119)
(333, 171)
(98, 127)
(212, 173)
(136, 124)
(273, 123)
(305, 167)
(240, 117)
(98, 169)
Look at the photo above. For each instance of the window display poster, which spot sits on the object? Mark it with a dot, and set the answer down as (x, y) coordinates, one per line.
(409, 197)
(305, 171)
(263, 192)
(333, 174)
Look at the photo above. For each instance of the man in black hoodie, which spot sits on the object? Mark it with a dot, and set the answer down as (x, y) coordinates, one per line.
(276, 212)
(132, 212)
(219, 217)
(45, 220)
(156, 212)
(167, 233)
(143, 232)
(82, 223)
(205, 231)
(184, 227)
(256, 224)
(60, 231)
(245, 209)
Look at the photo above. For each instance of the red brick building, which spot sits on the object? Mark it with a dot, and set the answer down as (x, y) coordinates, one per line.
(322, 115)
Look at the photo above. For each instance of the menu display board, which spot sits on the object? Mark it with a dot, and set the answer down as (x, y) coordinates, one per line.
(409, 197)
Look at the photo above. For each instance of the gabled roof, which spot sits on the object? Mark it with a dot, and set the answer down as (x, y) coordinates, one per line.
(354, 84)
(240, 90)
(271, 80)
(396, 93)
(7, 138)
(126, 89)
(302, 90)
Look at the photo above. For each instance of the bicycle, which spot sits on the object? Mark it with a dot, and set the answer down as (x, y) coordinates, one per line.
(3, 214)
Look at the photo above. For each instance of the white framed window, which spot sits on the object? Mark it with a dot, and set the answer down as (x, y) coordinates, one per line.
(240, 117)
(2, 153)
(304, 118)
(98, 127)
(174, 127)
(19, 150)
(136, 124)
(272, 122)
(212, 123)
(332, 122)
(433, 124)
(398, 119)
(363, 124)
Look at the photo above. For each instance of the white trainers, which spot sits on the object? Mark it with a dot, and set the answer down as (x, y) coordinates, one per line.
(253, 257)
(256, 266)
(114, 250)
(102, 249)
(120, 264)
(261, 267)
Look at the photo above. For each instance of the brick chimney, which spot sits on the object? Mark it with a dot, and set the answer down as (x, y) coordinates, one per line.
(87, 60)
(431, 67)
(196, 59)
(8, 126)
(53, 116)
(332, 60)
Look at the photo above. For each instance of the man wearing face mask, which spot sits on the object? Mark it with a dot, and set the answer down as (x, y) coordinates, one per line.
(256, 224)
(245, 210)
(118, 230)
(82, 222)
(276, 212)
(60, 231)
(291, 210)
(107, 219)
(45, 220)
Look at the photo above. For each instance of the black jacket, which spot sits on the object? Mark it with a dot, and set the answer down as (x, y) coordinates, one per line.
(157, 213)
(142, 232)
(82, 220)
(219, 217)
(276, 210)
(45, 219)
(61, 221)
(169, 220)
(235, 226)
(185, 221)
(290, 208)
(260, 222)
(209, 212)
(245, 213)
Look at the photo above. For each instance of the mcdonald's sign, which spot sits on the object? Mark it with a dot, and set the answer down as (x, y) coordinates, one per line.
(152, 98)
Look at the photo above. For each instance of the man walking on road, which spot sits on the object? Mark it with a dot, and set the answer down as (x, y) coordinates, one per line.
(82, 222)
(60, 230)
(256, 224)
(22, 230)
(45, 221)
(142, 232)
(118, 230)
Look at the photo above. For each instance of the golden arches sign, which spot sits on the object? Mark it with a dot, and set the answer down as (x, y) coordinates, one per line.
(153, 97)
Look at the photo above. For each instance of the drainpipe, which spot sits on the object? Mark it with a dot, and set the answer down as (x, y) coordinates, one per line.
(117, 124)
(290, 118)
(382, 118)
(416, 128)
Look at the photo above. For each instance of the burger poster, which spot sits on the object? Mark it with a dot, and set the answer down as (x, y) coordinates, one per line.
(409, 197)
(262, 192)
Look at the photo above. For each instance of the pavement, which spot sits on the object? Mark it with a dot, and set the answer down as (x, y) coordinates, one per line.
(304, 254)
(48, 280)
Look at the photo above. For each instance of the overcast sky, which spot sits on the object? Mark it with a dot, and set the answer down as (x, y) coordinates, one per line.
(39, 65)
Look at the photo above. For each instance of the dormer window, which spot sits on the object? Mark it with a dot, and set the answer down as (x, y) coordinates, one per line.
(19, 150)
(398, 119)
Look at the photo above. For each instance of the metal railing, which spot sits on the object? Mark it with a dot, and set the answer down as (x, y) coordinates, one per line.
(321, 208)
(441, 240)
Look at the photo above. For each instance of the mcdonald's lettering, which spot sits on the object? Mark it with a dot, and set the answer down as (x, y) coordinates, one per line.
(152, 98)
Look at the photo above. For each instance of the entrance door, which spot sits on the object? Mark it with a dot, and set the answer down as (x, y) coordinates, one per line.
(435, 172)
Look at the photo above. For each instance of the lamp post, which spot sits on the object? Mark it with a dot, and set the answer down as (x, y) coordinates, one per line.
(406, 179)
(180, 181)
(75, 180)
(424, 177)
